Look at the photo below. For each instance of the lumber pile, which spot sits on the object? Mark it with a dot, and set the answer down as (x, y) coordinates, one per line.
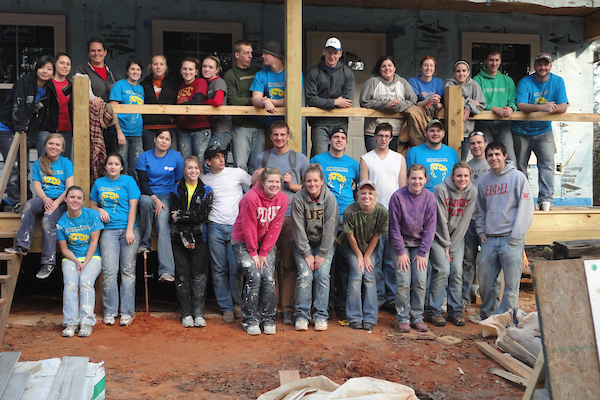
(576, 249)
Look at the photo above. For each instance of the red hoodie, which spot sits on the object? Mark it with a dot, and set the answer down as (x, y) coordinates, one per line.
(259, 221)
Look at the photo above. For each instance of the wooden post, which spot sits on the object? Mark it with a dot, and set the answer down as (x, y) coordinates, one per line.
(23, 167)
(81, 134)
(293, 71)
(454, 104)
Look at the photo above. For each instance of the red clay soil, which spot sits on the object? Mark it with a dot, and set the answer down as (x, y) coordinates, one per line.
(156, 358)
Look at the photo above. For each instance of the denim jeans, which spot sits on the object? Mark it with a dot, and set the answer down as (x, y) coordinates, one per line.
(340, 275)
(444, 279)
(320, 137)
(498, 131)
(226, 272)
(12, 189)
(149, 134)
(33, 208)
(248, 143)
(304, 285)
(258, 304)
(194, 142)
(410, 289)
(130, 152)
(472, 242)
(221, 139)
(191, 277)
(118, 263)
(79, 295)
(543, 148)
(358, 310)
(370, 143)
(165, 249)
(498, 254)
(41, 137)
(385, 272)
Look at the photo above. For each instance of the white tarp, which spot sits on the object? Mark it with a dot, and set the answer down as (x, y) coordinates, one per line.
(547, 3)
(592, 273)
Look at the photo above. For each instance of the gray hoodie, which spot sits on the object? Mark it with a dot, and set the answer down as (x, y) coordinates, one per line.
(471, 92)
(314, 222)
(377, 92)
(504, 204)
(454, 211)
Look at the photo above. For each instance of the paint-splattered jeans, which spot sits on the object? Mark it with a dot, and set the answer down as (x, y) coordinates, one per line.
(191, 276)
(357, 309)
(258, 299)
(79, 296)
(130, 151)
(165, 249)
(410, 289)
(33, 208)
(118, 256)
(304, 285)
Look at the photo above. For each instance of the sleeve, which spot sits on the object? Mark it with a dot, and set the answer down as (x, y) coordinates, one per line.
(441, 231)
(524, 215)
(523, 91)
(410, 98)
(410, 158)
(395, 230)
(511, 94)
(480, 208)
(97, 224)
(144, 183)
(561, 91)
(178, 173)
(36, 172)
(349, 84)
(233, 97)
(94, 193)
(258, 84)
(366, 96)
(476, 95)
(60, 232)
(331, 221)
(311, 90)
(414, 86)
(116, 92)
(298, 227)
(274, 229)
(216, 101)
(247, 214)
(430, 220)
(348, 224)
(19, 117)
(245, 178)
(463, 225)
(68, 166)
(81, 72)
(133, 190)
(199, 215)
(383, 222)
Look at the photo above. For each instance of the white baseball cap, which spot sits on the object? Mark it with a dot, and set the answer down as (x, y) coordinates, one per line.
(334, 42)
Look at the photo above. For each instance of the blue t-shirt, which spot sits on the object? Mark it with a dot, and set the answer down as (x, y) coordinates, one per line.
(531, 91)
(163, 172)
(425, 89)
(114, 196)
(438, 163)
(339, 174)
(78, 231)
(126, 93)
(270, 84)
(54, 185)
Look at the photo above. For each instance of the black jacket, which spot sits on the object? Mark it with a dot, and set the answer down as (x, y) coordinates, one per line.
(189, 227)
(21, 112)
(168, 95)
(50, 119)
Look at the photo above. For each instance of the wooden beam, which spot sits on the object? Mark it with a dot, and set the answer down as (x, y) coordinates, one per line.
(8, 361)
(81, 134)
(454, 104)
(506, 375)
(11, 157)
(514, 366)
(70, 379)
(293, 71)
(591, 27)
(23, 167)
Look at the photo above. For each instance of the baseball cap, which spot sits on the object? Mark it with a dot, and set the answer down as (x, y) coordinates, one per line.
(367, 183)
(334, 42)
(339, 130)
(544, 56)
(213, 151)
(433, 122)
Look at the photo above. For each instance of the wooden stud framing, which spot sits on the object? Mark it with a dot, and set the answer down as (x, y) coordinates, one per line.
(293, 71)
(453, 104)
(81, 134)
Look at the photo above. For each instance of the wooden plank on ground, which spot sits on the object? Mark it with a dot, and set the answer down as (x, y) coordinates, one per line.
(537, 377)
(16, 386)
(70, 379)
(8, 361)
(567, 329)
(576, 249)
(286, 377)
(506, 375)
(506, 362)
(517, 350)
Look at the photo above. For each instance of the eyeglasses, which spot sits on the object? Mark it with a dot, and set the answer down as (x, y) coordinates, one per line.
(385, 137)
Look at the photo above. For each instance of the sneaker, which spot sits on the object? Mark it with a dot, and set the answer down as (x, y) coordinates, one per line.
(269, 329)
(166, 277)
(187, 322)
(69, 331)
(45, 271)
(288, 318)
(340, 312)
(253, 330)
(16, 208)
(437, 320)
(421, 326)
(228, 317)
(475, 318)
(125, 319)
(356, 325)
(457, 320)
(367, 326)
(143, 249)
(199, 322)
(301, 325)
(85, 331)
(17, 250)
(404, 327)
(320, 325)
(109, 320)
(237, 312)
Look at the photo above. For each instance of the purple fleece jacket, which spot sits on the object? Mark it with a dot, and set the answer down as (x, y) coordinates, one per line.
(412, 220)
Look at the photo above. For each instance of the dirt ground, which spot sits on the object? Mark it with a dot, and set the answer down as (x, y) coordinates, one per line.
(156, 357)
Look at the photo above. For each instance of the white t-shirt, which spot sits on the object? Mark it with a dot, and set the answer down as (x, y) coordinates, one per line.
(384, 173)
(228, 191)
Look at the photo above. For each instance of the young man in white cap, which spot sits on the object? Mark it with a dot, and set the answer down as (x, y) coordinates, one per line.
(328, 85)
(268, 87)
(541, 91)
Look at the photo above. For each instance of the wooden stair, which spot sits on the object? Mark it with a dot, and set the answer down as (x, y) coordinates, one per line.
(8, 283)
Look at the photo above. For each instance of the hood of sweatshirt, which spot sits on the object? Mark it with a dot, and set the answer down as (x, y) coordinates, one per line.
(455, 82)
(393, 82)
(326, 68)
(263, 197)
(485, 75)
(308, 199)
(452, 187)
(509, 167)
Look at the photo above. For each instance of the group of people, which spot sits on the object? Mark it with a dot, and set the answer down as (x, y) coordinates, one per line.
(400, 246)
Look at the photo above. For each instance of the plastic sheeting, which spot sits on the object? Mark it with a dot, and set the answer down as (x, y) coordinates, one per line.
(547, 3)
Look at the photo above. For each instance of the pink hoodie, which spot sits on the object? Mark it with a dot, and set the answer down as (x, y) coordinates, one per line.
(259, 221)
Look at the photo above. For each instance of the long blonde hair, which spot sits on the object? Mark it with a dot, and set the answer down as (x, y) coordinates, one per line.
(44, 160)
